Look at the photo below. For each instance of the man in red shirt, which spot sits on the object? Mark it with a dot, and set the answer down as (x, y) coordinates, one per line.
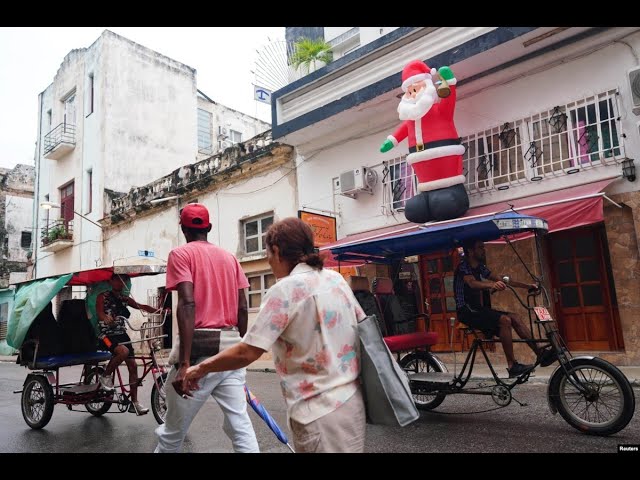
(212, 316)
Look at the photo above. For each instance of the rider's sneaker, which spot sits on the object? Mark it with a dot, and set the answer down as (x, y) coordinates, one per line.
(547, 357)
(107, 382)
(518, 369)
(138, 408)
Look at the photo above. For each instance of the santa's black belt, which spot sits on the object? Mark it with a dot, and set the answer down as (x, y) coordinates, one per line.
(435, 144)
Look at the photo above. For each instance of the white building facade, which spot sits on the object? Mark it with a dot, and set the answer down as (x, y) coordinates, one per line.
(117, 116)
(539, 110)
(220, 127)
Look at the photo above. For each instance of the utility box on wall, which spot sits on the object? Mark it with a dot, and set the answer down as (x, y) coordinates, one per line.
(361, 179)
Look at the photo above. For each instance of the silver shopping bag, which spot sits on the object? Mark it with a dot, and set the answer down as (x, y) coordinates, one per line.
(385, 385)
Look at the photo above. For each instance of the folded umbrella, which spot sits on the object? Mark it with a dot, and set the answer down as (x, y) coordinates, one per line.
(268, 419)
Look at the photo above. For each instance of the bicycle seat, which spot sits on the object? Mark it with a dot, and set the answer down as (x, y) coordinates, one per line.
(409, 341)
(56, 361)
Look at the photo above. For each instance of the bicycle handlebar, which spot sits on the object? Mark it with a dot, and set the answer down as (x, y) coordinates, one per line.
(531, 292)
(164, 319)
(518, 296)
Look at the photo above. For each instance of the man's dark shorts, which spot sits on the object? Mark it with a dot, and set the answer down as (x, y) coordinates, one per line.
(118, 338)
(485, 319)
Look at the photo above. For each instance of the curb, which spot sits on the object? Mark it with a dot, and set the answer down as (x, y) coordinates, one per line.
(262, 370)
(635, 382)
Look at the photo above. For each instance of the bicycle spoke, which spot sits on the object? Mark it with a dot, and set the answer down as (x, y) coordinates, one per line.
(602, 401)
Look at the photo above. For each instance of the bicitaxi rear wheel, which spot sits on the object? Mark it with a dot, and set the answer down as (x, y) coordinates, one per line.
(423, 362)
(37, 401)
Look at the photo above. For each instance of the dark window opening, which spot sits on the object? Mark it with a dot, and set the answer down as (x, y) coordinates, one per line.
(25, 240)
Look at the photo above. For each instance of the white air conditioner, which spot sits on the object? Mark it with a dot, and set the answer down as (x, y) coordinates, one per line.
(226, 144)
(358, 180)
(634, 85)
(222, 132)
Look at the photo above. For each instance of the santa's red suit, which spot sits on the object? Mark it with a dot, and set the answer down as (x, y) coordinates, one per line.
(434, 145)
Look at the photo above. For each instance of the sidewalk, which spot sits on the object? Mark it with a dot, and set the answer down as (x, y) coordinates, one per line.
(480, 371)
(259, 366)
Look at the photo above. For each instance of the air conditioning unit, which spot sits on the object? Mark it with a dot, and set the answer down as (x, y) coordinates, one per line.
(358, 180)
(634, 84)
(226, 144)
(222, 131)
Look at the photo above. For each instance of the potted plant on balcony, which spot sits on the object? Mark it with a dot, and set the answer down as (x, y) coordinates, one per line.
(57, 233)
(309, 55)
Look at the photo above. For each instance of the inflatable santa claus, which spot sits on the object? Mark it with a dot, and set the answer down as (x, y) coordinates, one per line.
(435, 150)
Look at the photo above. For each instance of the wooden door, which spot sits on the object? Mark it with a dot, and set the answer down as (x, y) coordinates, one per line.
(582, 290)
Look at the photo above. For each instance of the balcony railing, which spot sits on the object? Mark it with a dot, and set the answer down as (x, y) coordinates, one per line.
(340, 39)
(59, 141)
(57, 235)
(582, 135)
(564, 139)
(399, 184)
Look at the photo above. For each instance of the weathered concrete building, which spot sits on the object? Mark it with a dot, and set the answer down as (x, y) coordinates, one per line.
(16, 235)
(117, 115)
(246, 188)
(221, 127)
(16, 218)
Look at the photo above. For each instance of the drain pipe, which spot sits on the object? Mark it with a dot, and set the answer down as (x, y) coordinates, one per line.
(36, 193)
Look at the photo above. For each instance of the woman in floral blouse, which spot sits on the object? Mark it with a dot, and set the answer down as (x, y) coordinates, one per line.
(309, 321)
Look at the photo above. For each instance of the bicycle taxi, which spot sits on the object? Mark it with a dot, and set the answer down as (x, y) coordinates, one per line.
(46, 345)
(591, 394)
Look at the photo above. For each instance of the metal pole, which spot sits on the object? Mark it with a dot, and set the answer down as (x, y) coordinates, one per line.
(88, 220)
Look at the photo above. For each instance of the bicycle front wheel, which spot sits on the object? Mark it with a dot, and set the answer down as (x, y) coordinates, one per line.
(158, 398)
(597, 399)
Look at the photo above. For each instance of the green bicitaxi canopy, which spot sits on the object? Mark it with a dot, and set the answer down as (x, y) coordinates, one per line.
(30, 299)
(33, 296)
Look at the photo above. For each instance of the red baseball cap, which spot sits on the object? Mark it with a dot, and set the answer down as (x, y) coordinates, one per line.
(195, 215)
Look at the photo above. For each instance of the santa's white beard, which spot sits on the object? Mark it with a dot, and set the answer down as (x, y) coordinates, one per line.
(413, 109)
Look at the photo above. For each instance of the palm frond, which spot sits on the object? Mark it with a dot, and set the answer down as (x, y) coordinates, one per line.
(307, 52)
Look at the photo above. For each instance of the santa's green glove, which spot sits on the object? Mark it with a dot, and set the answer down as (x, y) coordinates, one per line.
(446, 73)
(386, 146)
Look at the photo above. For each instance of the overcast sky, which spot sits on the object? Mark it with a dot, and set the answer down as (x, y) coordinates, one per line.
(31, 56)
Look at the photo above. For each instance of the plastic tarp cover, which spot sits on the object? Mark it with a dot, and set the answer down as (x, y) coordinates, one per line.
(6, 304)
(29, 301)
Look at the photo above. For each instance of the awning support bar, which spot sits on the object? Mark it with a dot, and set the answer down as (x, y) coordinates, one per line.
(616, 204)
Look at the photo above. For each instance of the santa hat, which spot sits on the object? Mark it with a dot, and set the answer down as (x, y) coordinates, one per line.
(415, 71)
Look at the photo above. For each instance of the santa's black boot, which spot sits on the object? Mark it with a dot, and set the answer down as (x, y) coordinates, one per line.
(417, 208)
(448, 203)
